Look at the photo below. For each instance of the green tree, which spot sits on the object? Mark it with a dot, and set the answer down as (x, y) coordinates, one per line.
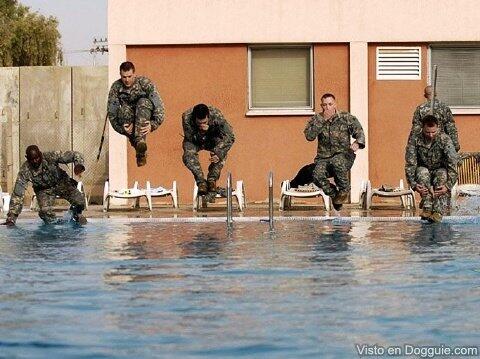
(28, 38)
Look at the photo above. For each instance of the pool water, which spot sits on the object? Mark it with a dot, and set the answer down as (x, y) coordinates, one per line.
(308, 289)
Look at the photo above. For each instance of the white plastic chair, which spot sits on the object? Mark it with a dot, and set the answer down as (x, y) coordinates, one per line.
(164, 192)
(238, 193)
(407, 196)
(307, 191)
(468, 184)
(80, 187)
(127, 193)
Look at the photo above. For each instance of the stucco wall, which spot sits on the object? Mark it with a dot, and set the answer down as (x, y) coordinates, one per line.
(217, 75)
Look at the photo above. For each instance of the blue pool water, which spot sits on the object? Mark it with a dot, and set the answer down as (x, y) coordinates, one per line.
(310, 289)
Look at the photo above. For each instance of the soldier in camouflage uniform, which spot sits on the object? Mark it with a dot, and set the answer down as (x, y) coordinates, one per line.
(335, 153)
(205, 128)
(431, 167)
(48, 180)
(442, 112)
(135, 108)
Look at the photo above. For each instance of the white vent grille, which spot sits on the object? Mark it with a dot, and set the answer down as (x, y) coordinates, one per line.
(399, 63)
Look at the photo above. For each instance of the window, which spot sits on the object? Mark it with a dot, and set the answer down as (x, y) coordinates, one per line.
(458, 76)
(399, 63)
(280, 80)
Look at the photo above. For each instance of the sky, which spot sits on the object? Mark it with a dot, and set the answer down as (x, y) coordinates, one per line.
(80, 21)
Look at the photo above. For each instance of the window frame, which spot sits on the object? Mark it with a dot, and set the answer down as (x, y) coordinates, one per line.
(456, 110)
(280, 111)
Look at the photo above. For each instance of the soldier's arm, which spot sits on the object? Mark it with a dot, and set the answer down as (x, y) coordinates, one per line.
(188, 130)
(312, 129)
(227, 138)
(411, 162)
(158, 114)
(451, 129)
(356, 130)
(16, 200)
(113, 106)
(66, 157)
(452, 162)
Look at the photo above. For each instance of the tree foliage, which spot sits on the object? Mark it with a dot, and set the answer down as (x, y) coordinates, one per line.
(28, 38)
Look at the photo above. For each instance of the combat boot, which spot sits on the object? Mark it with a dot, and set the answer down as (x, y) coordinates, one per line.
(141, 149)
(80, 219)
(426, 213)
(211, 185)
(435, 218)
(339, 199)
(202, 188)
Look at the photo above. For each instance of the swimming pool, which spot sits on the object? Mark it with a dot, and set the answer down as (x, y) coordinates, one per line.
(309, 289)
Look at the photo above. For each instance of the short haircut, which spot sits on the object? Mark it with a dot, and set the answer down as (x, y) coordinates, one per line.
(324, 96)
(200, 111)
(429, 121)
(127, 66)
(31, 151)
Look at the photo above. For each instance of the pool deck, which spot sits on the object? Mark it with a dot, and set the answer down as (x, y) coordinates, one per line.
(218, 210)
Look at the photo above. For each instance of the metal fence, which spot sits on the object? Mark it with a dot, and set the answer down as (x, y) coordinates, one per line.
(56, 108)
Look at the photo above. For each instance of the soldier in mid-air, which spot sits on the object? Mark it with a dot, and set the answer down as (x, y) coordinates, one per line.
(335, 152)
(48, 180)
(135, 109)
(431, 168)
(205, 128)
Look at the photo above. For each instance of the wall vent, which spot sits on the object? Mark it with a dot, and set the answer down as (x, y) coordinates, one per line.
(399, 63)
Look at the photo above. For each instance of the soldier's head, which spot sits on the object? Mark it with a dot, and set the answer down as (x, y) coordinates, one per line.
(328, 102)
(201, 115)
(428, 92)
(34, 156)
(429, 127)
(127, 73)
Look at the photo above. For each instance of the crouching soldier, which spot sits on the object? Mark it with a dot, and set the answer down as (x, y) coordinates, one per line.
(48, 180)
(205, 128)
(431, 168)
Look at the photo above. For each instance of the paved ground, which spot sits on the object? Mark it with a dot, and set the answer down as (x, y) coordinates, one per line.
(164, 210)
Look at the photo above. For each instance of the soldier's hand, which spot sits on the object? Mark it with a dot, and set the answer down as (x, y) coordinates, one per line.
(328, 113)
(440, 190)
(146, 129)
(10, 222)
(355, 146)
(128, 127)
(214, 158)
(78, 169)
(423, 190)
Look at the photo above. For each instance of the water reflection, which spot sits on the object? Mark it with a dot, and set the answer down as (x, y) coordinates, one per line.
(204, 245)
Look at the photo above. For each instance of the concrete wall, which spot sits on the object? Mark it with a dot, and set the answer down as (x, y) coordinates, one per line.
(9, 115)
(217, 75)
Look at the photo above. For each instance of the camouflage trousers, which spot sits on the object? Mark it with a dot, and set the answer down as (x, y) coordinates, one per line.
(432, 179)
(138, 115)
(66, 190)
(191, 161)
(338, 167)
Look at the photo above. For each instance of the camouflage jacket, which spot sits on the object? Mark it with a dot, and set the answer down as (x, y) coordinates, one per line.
(219, 138)
(48, 175)
(439, 153)
(442, 112)
(121, 95)
(334, 134)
